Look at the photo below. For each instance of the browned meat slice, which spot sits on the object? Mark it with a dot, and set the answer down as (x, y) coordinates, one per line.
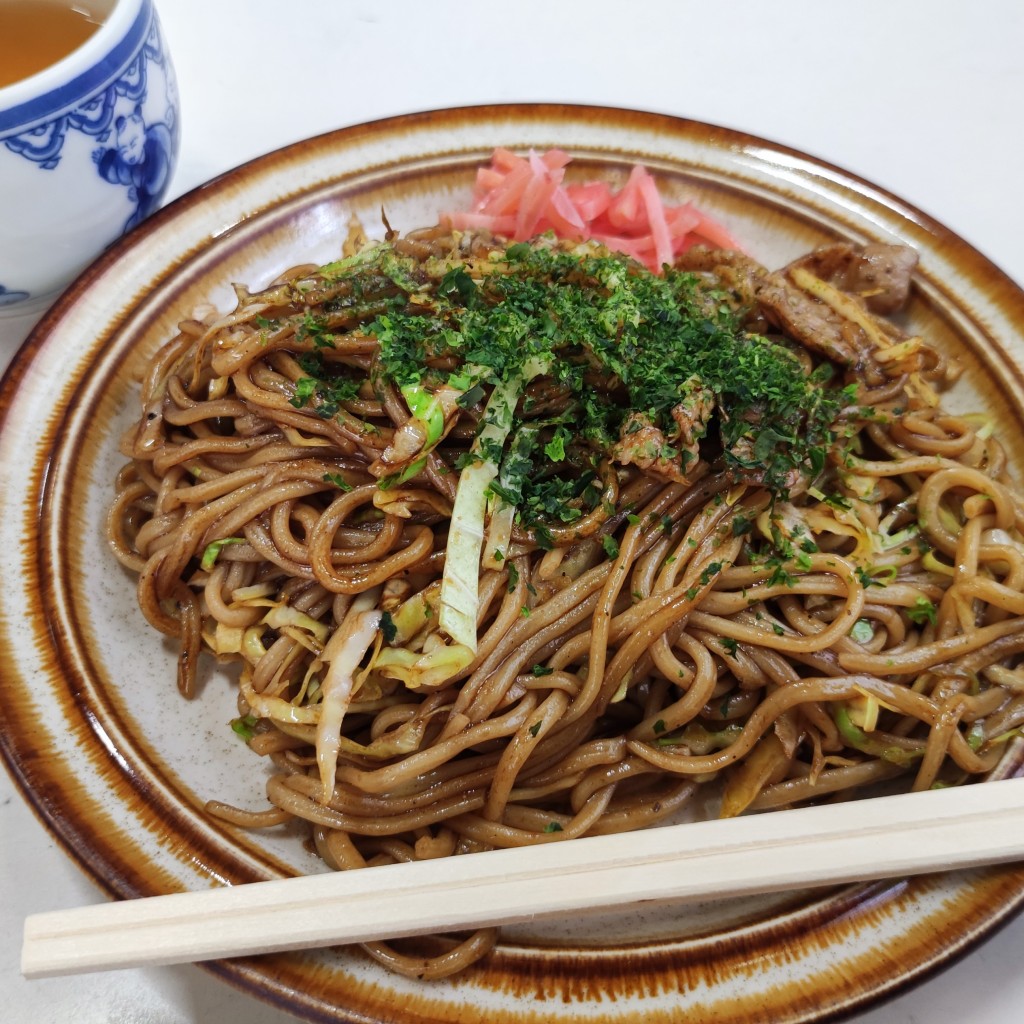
(644, 445)
(731, 270)
(877, 273)
(783, 305)
(669, 456)
(811, 322)
(748, 471)
(692, 416)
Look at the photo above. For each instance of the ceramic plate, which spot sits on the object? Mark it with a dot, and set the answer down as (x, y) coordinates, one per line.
(119, 766)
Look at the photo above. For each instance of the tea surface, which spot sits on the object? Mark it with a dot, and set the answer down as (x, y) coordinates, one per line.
(37, 33)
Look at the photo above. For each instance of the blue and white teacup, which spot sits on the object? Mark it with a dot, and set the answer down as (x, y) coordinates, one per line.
(88, 146)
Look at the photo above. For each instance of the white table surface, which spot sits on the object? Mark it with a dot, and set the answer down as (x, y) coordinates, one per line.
(922, 98)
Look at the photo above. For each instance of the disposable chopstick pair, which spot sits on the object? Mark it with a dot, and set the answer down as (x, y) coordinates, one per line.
(882, 837)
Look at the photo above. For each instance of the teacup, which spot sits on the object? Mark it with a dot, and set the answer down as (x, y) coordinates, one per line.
(88, 146)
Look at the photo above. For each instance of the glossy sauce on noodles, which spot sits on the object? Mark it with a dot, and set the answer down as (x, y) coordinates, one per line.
(503, 565)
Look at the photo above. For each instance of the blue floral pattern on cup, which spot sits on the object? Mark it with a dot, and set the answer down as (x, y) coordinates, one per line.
(140, 159)
(135, 150)
(9, 297)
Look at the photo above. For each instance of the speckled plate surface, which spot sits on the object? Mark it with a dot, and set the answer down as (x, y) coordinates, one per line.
(119, 766)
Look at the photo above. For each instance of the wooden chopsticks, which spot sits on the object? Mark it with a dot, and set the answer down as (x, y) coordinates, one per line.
(882, 837)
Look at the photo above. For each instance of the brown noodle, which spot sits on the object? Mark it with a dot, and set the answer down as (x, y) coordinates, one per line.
(634, 681)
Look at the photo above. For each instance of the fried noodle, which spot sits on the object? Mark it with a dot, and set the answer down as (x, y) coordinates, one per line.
(684, 614)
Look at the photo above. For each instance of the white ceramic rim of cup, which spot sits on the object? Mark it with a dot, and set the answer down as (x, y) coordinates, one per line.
(113, 28)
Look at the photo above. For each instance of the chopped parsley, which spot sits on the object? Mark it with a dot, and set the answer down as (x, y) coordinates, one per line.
(779, 575)
(585, 359)
(710, 571)
(325, 388)
(867, 579)
(305, 389)
(388, 628)
(657, 341)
